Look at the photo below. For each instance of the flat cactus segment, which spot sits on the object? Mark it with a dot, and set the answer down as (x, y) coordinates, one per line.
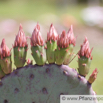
(20, 56)
(6, 65)
(69, 54)
(52, 37)
(50, 51)
(42, 84)
(84, 65)
(39, 54)
(60, 54)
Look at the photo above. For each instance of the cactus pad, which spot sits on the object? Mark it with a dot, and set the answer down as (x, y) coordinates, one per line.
(42, 84)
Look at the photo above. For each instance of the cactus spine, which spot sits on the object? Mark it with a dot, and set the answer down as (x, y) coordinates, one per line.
(20, 48)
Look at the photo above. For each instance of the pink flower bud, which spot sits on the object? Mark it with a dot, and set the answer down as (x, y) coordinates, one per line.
(71, 37)
(20, 39)
(36, 38)
(85, 50)
(5, 51)
(93, 76)
(52, 35)
(63, 41)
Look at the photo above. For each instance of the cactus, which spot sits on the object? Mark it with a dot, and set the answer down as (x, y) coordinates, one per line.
(84, 58)
(5, 61)
(51, 42)
(72, 40)
(44, 83)
(37, 47)
(62, 49)
(20, 48)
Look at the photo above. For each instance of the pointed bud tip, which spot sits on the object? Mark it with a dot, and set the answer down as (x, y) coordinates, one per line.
(71, 27)
(38, 26)
(20, 26)
(51, 25)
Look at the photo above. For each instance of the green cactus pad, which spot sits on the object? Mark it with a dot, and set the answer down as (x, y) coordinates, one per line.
(39, 54)
(20, 56)
(2, 74)
(51, 46)
(6, 65)
(84, 65)
(60, 55)
(68, 55)
(42, 84)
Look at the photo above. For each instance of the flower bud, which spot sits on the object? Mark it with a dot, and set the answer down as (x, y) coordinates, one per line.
(93, 76)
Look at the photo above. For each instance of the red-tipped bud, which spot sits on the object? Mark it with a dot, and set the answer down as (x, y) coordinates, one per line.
(36, 38)
(20, 40)
(93, 76)
(52, 35)
(71, 37)
(63, 41)
(5, 51)
(85, 49)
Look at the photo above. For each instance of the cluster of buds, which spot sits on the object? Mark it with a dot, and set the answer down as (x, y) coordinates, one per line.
(93, 76)
(20, 40)
(63, 40)
(52, 34)
(85, 50)
(4, 50)
(66, 39)
(36, 38)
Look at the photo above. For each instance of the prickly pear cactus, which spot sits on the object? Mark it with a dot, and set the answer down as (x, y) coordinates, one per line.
(20, 48)
(49, 78)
